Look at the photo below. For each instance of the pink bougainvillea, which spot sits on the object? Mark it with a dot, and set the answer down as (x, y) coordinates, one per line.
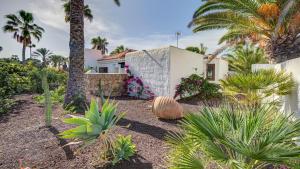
(136, 88)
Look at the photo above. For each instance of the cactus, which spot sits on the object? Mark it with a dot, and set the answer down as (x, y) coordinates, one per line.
(47, 104)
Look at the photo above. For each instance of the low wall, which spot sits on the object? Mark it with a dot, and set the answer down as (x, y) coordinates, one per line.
(112, 83)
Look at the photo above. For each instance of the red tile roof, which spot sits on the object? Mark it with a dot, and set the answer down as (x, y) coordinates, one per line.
(116, 56)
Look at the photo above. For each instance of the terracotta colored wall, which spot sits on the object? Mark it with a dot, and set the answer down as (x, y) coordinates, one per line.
(112, 84)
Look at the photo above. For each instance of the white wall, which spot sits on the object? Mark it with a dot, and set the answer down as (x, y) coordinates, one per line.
(291, 103)
(221, 69)
(183, 63)
(90, 58)
(112, 65)
(153, 70)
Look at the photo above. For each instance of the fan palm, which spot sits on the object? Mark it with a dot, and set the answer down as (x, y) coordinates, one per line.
(119, 49)
(44, 54)
(253, 88)
(243, 57)
(236, 138)
(23, 28)
(256, 20)
(76, 59)
(100, 44)
(93, 124)
(87, 12)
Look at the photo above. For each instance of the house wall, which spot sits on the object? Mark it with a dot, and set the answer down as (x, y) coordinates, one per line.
(183, 63)
(90, 58)
(291, 103)
(112, 84)
(112, 65)
(221, 69)
(152, 67)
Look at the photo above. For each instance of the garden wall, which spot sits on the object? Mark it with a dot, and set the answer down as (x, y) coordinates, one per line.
(112, 83)
(291, 102)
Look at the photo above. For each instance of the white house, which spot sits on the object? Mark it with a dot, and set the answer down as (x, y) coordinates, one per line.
(112, 63)
(162, 69)
(90, 59)
(291, 103)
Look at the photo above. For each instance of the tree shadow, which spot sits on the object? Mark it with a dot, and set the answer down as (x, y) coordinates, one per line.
(143, 128)
(136, 162)
(62, 143)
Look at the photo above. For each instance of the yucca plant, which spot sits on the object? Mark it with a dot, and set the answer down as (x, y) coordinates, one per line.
(94, 124)
(47, 96)
(253, 88)
(122, 149)
(235, 138)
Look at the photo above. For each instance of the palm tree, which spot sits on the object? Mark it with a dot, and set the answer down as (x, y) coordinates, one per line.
(30, 48)
(87, 12)
(243, 57)
(193, 49)
(23, 28)
(56, 60)
(119, 49)
(1, 48)
(100, 44)
(201, 50)
(253, 88)
(75, 85)
(44, 54)
(254, 20)
(236, 138)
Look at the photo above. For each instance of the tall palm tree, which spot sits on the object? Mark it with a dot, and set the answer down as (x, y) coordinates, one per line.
(254, 20)
(100, 44)
(87, 12)
(44, 54)
(1, 48)
(202, 49)
(23, 28)
(30, 48)
(243, 57)
(75, 85)
(119, 49)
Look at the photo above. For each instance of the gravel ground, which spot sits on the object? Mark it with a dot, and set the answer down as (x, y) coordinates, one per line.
(24, 137)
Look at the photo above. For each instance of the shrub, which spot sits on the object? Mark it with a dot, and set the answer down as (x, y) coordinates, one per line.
(94, 124)
(122, 149)
(235, 137)
(57, 96)
(253, 88)
(196, 85)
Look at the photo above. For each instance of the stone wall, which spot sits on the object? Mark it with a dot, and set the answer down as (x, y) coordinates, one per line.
(152, 67)
(112, 84)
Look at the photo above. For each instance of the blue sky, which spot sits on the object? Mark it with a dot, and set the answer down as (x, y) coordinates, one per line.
(137, 24)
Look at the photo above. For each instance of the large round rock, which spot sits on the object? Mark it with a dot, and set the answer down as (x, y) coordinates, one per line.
(167, 108)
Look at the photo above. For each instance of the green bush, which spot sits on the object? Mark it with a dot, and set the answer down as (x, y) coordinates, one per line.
(57, 96)
(196, 85)
(17, 78)
(122, 149)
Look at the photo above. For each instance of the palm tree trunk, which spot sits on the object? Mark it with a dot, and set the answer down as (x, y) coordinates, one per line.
(23, 52)
(76, 67)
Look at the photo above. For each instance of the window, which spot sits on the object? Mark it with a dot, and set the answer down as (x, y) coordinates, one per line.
(122, 64)
(210, 74)
(103, 69)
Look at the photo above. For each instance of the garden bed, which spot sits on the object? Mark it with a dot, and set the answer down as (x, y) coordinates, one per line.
(24, 137)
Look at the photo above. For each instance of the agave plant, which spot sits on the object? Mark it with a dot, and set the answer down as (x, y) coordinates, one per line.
(94, 123)
(253, 88)
(235, 138)
(123, 149)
